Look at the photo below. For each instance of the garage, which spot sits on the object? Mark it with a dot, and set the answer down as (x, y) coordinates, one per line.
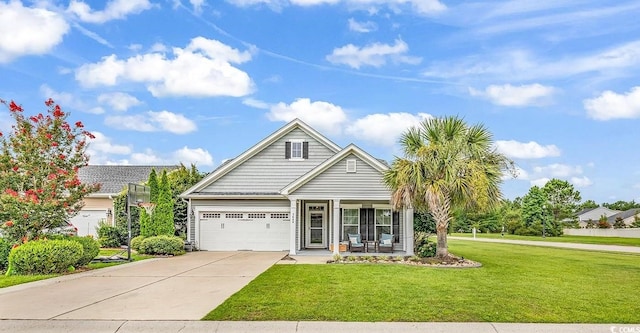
(248, 230)
(87, 221)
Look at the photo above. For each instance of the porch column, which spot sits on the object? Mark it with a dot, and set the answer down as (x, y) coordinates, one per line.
(292, 231)
(336, 226)
(408, 218)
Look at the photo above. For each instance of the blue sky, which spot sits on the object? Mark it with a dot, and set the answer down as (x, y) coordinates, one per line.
(199, 81)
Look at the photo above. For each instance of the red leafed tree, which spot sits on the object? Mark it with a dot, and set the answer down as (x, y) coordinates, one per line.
(39, 162)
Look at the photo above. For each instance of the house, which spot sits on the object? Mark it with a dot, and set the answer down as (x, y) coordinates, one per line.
(594, 215)
(98, 206)
(628, 216)
(295, 191)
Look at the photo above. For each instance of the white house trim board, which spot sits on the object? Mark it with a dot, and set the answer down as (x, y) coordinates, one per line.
(351, 149)
(226, 168)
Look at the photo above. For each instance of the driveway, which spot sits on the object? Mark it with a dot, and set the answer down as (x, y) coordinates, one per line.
(177, 288)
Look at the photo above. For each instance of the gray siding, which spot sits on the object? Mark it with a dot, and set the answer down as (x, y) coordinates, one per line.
(335, 182)
(219, 204)
(268, 170)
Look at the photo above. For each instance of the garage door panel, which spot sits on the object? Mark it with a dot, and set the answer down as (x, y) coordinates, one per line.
(232, 231)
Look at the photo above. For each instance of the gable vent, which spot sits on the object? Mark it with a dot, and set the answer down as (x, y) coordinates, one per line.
(351, 166)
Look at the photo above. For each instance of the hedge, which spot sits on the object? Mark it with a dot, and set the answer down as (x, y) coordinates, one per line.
(164, 245)
(44, 257)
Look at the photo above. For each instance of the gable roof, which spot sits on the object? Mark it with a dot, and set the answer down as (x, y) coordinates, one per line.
(586, 210)
(624, 215)
(350, 149)
(232, 164)
(113, 178)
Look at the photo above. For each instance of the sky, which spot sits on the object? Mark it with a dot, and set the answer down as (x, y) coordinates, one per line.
(201, 81)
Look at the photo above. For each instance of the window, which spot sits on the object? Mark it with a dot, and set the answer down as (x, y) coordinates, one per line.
(296, 150)
(256, 215)
(210, 215)
(383, 222)
(233, 215)
(350, 222)
(351, 166)
(279, 215)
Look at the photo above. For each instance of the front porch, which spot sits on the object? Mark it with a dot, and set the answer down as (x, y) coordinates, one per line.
(319, 224)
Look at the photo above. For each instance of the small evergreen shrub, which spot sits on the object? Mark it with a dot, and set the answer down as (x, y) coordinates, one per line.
(163, 245)
(136, 242)
(110, 236)
(423, 247)
(90, 249)
(45, 256)
(5, 248)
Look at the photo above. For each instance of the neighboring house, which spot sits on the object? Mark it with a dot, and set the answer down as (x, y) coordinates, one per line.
(98, 206)
(628, 216)
(594, 215)
(295, 190)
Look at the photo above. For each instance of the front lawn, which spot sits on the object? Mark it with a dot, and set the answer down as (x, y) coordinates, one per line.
(562, 239)
(516, 284)
(8, 281)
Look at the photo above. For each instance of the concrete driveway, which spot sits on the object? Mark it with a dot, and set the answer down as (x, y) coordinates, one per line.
(178, 288)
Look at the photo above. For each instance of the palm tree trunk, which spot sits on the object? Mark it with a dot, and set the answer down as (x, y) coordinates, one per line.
(442, 250)
(440, 207)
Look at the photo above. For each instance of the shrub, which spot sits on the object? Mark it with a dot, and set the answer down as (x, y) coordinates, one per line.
(162, 244)
(136, 242)
(5, 248)
(90, 249)
(45, 256)
(423, 247)
(110, 236)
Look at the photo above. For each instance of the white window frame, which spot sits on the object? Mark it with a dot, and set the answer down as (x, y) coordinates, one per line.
(357, 224)
(380, 224)
(301, 151)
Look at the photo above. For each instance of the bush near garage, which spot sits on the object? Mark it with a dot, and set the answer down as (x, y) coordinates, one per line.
(5, 248)
(90, 247)
(44, 257)
(162, 245)
(136, 242)
(110, 236)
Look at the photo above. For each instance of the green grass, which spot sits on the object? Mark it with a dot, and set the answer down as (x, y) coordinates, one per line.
(8, 281)
(516, 284)
(562, 239)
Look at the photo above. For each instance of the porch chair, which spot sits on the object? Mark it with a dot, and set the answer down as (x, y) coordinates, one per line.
(355, 243)
(386, 243)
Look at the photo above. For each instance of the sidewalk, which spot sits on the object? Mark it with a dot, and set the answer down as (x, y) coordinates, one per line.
(75, 326)
(578, 246)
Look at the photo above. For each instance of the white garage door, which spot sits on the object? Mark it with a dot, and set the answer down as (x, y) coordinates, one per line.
(87, 220)
(233, 231)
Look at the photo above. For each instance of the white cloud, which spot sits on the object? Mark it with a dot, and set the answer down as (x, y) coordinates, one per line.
(362, 27)
(423, 7)
(202, 69)
(392, 125)
(186, 155)
(531, 149)
(197, 156)
(375, 55)
(197, 5)
(28, 30)
(118, 101)
(523, 95)
(153, 122)
(102, 144)
(113, 10)
(324, 116)
(581, 181)
(521, 64)
(559, 170)
(611, 105)
(69, 101)
(256, 103)
(540, 182)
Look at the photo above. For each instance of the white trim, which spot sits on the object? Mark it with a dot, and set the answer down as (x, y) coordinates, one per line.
(238, 196)
(325, 228)
(351, 149)
(295, 158)
(228, 209)
(350, 206)
(226, 168)
(381, 206)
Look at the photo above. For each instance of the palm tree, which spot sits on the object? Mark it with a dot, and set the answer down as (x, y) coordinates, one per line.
(447, 164)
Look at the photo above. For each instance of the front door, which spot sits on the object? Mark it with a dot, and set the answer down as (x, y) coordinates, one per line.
(316, 225)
